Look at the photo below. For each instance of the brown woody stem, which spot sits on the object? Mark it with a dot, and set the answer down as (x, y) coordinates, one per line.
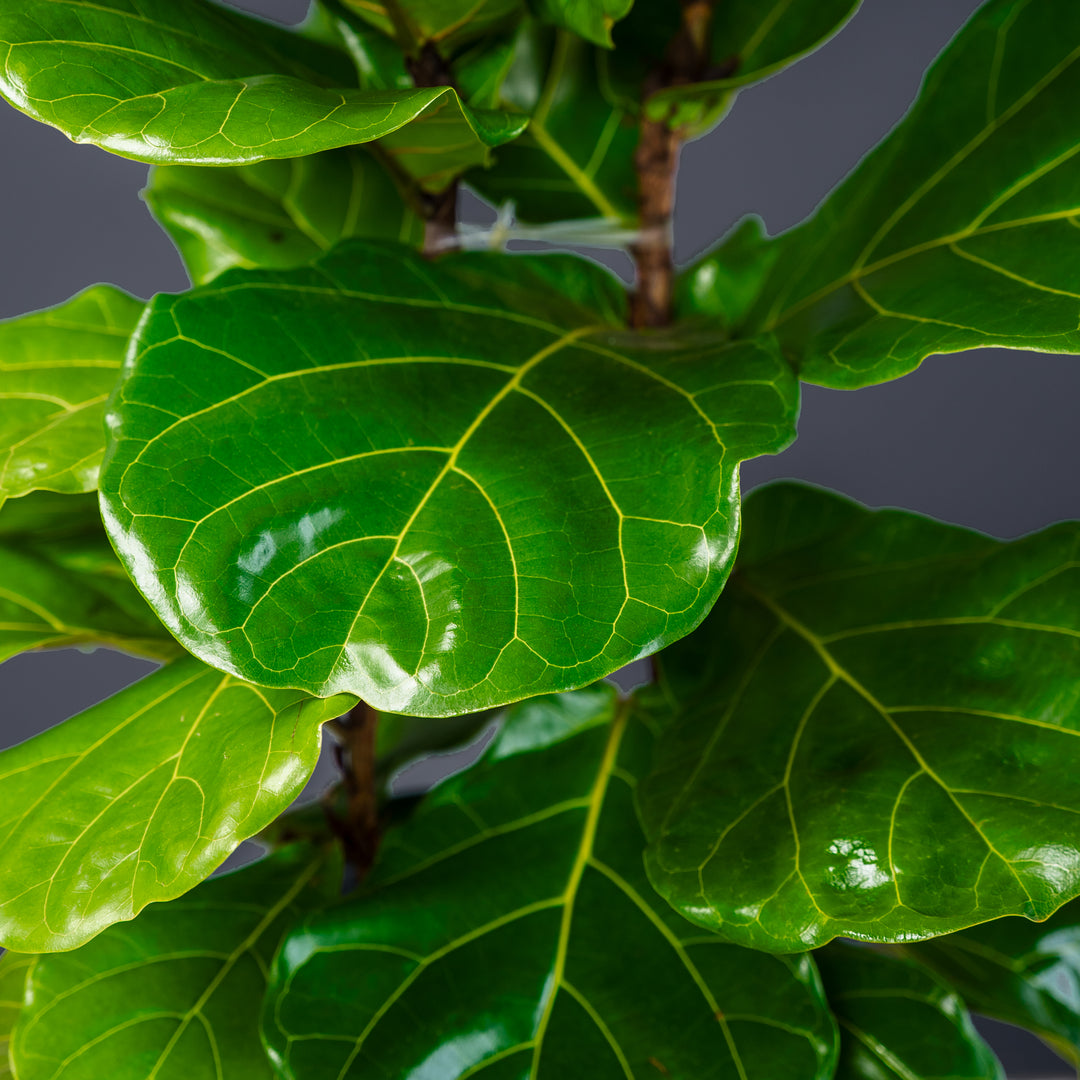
(656, 160)
(358, 825)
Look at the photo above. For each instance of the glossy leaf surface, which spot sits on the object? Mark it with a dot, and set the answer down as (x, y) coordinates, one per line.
(277, 213)
(441, 487)
(57, 368)
(61, 583)
(175, 994)
(576, 158)
(198, 84)
(878, 733)
(14, 968)
(958, 231)
(1021, 972)
(897, 1022)
(142, 796)
(508, 931)
(590, 19)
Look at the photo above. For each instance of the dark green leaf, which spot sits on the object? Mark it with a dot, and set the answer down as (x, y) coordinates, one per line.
(899, 1023)
(195, 83)
(576, 158)
(1021, 972)
(959, 230)
(449, 24)
(61, 583)
(139, 798)
(590, 19)
(442, 486)
(509, 930)
(277, 213)
(56, 370)
(725, 284)
(177, 993)
(14, 969)
(879, 730)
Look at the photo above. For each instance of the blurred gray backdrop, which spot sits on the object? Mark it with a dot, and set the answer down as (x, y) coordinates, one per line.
(984, 439)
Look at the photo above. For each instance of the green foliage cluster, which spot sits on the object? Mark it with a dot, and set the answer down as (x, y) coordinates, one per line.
(358, 477)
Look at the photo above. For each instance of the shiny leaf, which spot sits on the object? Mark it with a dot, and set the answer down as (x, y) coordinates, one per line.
(277, 213)
(879, 730)
(509, 930)
(1021, 972)
(175, 994)
(441, 487)
(590, 19)
(14, 969)
(959, 230)
(899, 1023)
(61, 583)
(195, 83)
(576, 158)
(140, 797)
(56, 370)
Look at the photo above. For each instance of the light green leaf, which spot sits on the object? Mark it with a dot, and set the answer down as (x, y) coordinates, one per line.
(566, 499)
(56, 370)
(277, 213)
(576, 158)
(197, 84)
(14, 970)
(725, 284)
(590, 19)
(61, 583)
(897, 1022)
(1021, 972)
(879, 730)
(508, 930)
(177, 993)
(958, 232)
(139, 798)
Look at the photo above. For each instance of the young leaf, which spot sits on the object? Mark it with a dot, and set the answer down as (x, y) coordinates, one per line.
(590, 19)
(14, 970)
(878, 731)
(566, 499)
(1021, 972)
(177, 992)
(197, 84)
(61, 583)
(959, 230)
(449, 24)
(277, 213)
(576, 158)
(57, 368)
(899, 1023)
(139, 798)
(509, 930)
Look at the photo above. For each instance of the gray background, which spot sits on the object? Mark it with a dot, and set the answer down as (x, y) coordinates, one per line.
(982, 439)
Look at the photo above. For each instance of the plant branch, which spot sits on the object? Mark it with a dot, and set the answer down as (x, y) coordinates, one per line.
(428, 68)
(357, 823)
(655, 160)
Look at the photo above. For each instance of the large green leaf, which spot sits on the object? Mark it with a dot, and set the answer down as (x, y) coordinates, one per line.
(441, 487)
(899, 1023)
(14, 969)
(879, 730)
(576, 158)
(959, 230)
(277, 213)
(61, 583)
(195, 83)
(139, 798)
(56, 370)
(508, 930)
(591, 19)
(1025, 973)
(176, 994)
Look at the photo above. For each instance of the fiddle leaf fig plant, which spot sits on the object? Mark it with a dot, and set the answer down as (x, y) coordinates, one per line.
(377, 479)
